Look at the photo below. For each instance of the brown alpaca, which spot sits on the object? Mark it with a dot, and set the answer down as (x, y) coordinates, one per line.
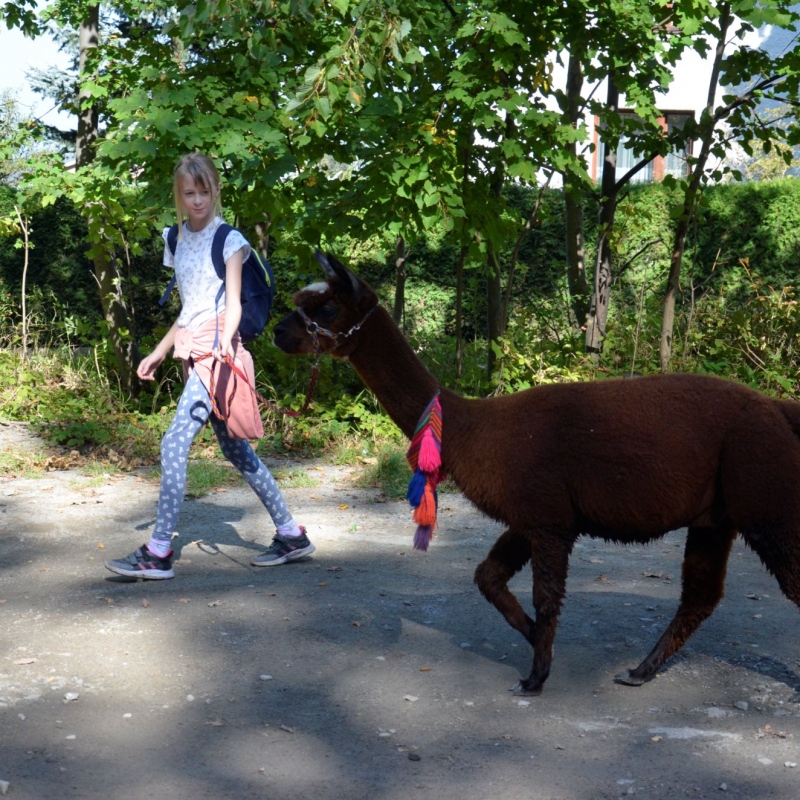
(622, 460)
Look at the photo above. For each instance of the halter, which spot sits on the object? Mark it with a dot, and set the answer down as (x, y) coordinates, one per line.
(315, 330)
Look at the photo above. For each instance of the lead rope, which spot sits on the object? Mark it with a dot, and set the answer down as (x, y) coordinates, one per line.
(314, 330)
(212, 388)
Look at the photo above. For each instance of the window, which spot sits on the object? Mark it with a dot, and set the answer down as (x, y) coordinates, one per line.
(675, 163)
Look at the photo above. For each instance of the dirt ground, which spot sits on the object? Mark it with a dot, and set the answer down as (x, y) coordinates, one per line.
(369, 670)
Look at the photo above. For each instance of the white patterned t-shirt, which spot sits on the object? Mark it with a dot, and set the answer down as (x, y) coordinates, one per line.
(198, 283)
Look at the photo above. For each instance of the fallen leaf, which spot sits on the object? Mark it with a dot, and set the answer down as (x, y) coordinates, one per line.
(183, 600)
(343, 506)
(220, 489)
(601, 578)
(426, 669)
(22, 661)
(357, 624)
(101, 546)
(323, 584)
(146, 603)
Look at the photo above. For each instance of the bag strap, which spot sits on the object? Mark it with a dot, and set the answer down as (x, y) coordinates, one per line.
(172, 243)
(218, 260)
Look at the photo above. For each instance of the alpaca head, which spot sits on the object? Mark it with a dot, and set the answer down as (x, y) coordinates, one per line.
(328, 314)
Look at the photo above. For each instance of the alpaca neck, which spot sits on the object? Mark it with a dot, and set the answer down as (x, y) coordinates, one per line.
(392, 371)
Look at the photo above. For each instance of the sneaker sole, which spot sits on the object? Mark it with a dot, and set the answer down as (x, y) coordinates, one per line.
(293, 556)
(147, 575)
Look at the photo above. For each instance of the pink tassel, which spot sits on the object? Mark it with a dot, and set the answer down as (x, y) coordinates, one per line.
(430, 458)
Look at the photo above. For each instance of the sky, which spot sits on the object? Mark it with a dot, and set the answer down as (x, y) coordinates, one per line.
(20, 55)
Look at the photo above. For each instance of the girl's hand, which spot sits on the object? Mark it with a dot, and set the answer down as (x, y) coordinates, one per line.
(148, 365)
(224, 348)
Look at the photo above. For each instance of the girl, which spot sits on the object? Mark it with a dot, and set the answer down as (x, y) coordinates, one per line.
(202, 319)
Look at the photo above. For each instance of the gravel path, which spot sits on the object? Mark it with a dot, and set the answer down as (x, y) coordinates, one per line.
(369, 670)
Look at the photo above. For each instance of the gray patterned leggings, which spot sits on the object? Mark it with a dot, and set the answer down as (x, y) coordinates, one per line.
(194, 410)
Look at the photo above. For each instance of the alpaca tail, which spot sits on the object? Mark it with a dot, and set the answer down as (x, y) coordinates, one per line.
(791, 410)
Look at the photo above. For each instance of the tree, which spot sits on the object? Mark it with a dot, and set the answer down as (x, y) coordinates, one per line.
(757, 76)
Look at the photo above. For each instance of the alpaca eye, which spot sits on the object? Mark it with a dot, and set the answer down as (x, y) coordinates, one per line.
(328, 313)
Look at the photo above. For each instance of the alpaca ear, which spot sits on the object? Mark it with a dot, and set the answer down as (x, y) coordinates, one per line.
(334, 268)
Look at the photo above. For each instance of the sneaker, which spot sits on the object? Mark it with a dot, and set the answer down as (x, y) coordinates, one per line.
(142, 563)
(285, 548)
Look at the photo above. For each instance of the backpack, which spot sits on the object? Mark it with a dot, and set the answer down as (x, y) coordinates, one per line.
(258, 282)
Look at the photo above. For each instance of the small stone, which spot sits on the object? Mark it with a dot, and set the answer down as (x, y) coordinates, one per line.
(765, 761)
(71, 736)
(21, 716)
(266, 677)
(723, 787)
(523, 703)
(127, 716)
(790, 764)
(190, 698)
(716, 713)
(70, 697)
(465, 645)
(411, 698)
(4, 787)
(414, 757)
(742, 705)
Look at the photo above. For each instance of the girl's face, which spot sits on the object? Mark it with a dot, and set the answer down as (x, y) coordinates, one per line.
(198, 202)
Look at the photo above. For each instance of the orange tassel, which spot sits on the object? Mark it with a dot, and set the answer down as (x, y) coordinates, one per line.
(425, 512)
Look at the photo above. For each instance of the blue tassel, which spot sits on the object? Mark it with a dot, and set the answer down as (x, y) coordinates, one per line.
(416, 487)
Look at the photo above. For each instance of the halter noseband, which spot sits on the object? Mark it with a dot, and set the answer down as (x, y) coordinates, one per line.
(315, 330)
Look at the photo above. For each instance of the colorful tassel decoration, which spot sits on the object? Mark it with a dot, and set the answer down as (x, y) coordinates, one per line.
(425, 457)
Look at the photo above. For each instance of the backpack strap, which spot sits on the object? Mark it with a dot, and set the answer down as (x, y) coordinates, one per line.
(218, 260)
(172, 243)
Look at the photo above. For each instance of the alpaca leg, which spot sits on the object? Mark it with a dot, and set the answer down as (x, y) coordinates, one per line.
(550, 563)
(704, 566)
(507, 557)
(780, 554)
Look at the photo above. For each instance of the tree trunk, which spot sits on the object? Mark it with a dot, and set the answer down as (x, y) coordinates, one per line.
(598, 310)
(573, 199)
(400, 257)
(706, 132)
(494, 305)
(106, 267)
(462, 257)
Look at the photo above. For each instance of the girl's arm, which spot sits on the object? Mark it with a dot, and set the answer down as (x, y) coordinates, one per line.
(233, 304)
(149, 364)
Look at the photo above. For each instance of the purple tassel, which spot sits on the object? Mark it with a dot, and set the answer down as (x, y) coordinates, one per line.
(416, 487)
(423, 536)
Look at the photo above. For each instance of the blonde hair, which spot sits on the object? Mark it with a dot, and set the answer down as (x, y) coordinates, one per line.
(202, 171)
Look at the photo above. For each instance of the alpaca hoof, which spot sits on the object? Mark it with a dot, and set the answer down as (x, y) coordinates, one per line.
(627, 678)
(521, 690)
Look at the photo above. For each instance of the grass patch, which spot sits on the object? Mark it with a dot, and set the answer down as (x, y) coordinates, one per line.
(390, 473)
(17, 465)
(294, 478)
(203, 476)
